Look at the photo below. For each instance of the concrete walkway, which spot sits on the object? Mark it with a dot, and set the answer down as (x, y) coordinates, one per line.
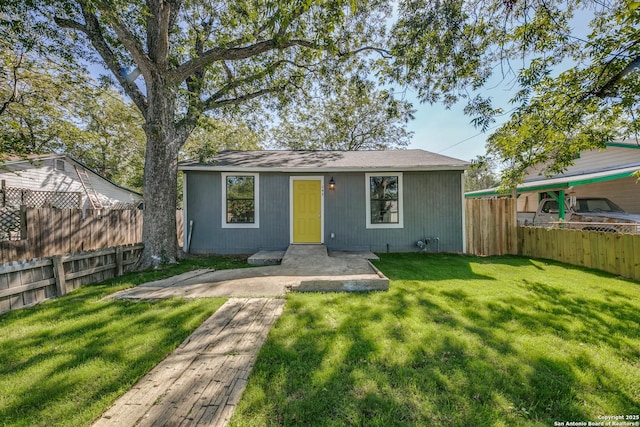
(201, 382)
(304, 268)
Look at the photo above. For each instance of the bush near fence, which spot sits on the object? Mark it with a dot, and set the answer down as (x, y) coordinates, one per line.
(23, 284)
(50, 231)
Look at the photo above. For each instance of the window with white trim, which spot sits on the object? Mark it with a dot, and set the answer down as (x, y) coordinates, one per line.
(240, 200)
(384, 200)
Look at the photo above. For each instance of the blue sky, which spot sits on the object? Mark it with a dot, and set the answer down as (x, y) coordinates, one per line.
(449, 131)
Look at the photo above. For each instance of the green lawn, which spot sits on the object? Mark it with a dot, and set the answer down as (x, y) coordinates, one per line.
(66, 360)
(456, 341)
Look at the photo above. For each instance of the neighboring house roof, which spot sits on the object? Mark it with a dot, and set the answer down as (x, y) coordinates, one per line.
(326, 161)
(10, 160)
(60, 180)
(596, 166)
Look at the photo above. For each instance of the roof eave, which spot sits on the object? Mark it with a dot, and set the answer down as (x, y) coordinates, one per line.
(205, 168)
(32, 159)
(534, 186)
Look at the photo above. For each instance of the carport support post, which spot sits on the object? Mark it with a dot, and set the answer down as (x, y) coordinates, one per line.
(561, 205)
(560, 199)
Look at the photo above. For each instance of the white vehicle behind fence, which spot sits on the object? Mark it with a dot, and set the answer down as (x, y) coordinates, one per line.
(588, 213)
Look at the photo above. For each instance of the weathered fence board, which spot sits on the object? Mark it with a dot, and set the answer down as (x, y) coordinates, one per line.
(27, 283)
(491, 226)
(59, 231)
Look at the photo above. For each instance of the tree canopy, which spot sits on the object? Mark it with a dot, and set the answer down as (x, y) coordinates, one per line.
(481, 174)
(572, 92)
(214, 135)
(39, 104)
(356, 116)
(49, 108)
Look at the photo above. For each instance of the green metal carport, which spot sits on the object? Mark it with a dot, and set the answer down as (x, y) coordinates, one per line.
(559, 184)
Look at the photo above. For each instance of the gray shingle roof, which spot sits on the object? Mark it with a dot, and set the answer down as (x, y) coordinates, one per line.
(326, 161)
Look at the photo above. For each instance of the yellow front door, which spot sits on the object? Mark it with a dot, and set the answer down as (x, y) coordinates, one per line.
(307, 211)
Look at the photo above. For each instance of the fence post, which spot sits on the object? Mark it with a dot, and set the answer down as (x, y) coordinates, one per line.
(23, 222)
(58, 272)
(119, 266)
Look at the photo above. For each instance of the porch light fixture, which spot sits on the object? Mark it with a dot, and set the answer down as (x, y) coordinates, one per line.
(332, 184)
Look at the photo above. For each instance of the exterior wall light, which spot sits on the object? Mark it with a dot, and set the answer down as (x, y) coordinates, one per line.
(332, 184)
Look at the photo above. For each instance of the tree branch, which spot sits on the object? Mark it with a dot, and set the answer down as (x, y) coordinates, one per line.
(175, 6)
(93, 31)
(133, 46)
(247, 97)
(14, 92)
(383, 52)
(184, 126)
(604, 91)
(234, 84)
(234, 54)
(69, 23)
(158, 20)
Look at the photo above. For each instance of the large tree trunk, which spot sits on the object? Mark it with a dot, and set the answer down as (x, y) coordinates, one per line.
(160, 179)
(160, 196)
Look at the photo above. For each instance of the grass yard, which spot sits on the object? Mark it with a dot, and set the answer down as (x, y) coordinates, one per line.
(65, 361)
(456, 341)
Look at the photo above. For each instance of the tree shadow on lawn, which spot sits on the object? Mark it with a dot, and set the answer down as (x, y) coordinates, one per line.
(426, 266)
(69, 356)
(443, 266)
(423, 355)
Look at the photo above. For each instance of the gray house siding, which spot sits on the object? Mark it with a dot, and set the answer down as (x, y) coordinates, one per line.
(432, 208)
(203, 207)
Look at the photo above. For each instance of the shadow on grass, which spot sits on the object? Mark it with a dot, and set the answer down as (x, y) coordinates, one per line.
(426, 267)
(87, 356)
(488, 350)
(64, 361)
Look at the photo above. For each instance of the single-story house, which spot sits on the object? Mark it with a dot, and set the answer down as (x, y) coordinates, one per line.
(241, 202)
(58, 180)
(605, 173)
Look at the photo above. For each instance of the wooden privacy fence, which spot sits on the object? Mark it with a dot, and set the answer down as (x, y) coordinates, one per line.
(50, 231)
(26, 283)
(614, 253)
(492, 230)
(491, 226)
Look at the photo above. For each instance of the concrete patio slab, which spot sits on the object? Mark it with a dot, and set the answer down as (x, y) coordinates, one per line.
(355, 255)
(304, 268)
(266, 258)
